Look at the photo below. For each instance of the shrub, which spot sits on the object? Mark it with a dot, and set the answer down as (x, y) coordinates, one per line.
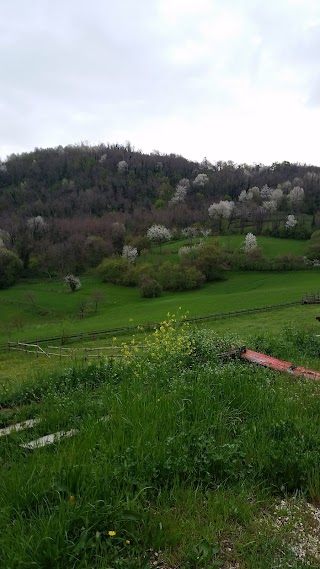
(134, 274)
(113, 270)
(149, 287)
(209, 259)
(10, 268)
(179, 277)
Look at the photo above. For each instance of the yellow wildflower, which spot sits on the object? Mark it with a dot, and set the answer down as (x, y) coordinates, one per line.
(112, 533)
(127, 541)
(72, 500)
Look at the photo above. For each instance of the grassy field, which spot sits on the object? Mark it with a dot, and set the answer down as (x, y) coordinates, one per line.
(177, 462)
(32, 311)
(270, 246)
(55, 309)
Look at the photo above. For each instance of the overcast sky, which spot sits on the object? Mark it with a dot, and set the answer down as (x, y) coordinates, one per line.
(226, 79)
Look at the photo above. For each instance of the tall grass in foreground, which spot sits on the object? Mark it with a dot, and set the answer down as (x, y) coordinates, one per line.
(176, 458)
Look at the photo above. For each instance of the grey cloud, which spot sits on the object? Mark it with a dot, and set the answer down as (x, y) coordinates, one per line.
(77, 70)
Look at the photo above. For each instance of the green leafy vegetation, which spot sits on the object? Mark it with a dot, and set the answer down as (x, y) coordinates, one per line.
(177, 458)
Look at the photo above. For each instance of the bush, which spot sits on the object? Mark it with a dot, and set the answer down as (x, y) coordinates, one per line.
(135, 273)
(149, 287)
(113, 270)
(210, 260)
(179, 277)
(10, 268)
(141, 243)
(313, 247)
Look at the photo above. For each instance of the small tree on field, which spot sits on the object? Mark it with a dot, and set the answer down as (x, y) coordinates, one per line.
(97, 297)
(250, 243)
(73, 282)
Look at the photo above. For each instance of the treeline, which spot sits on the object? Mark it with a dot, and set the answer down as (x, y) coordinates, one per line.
(66, 209)
(86, 180)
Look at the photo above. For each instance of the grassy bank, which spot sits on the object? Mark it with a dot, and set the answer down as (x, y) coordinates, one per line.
(177, 458)
(55, 311)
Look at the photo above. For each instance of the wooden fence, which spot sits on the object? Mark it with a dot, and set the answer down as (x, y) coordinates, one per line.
(98, 334)
(64, 352)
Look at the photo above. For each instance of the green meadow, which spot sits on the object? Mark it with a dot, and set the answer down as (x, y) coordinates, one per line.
(270, 246)
(174, 460)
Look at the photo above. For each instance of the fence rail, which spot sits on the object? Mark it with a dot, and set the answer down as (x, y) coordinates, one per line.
(96, 334)
(64, 352)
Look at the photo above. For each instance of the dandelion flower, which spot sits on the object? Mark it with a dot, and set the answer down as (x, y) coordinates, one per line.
(112, 533)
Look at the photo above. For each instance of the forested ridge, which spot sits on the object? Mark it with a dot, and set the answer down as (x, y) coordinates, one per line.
(81, 179)
(68, 208)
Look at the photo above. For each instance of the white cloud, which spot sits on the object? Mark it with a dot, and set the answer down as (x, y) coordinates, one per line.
(229, 79)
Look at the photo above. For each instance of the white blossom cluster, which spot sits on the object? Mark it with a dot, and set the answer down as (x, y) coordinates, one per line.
(186, 250)
(36, 223)
(129, 253)
(189, 232)
(181, 192)
(296, 196)
(159, 234)
(311, 262)
(200, 181)
(122, 166)
(222, 209)
(73, 282)
(250, 243)
(270, 197)
(291, 222)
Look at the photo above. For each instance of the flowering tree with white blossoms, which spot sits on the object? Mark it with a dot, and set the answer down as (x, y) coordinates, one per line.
(200, 181)
(181, 192)
(252, 194)
(276, 196)
(250, 243)
(129, 253)
(159, 234)
(73, 282)
(37, 225)
(190, 232)
(221, 210)
(296, 197)
(186, 250)
(205, 232)
(122, 166)
(291, 222)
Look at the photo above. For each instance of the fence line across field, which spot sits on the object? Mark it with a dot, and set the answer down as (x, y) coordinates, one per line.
(150, 326)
